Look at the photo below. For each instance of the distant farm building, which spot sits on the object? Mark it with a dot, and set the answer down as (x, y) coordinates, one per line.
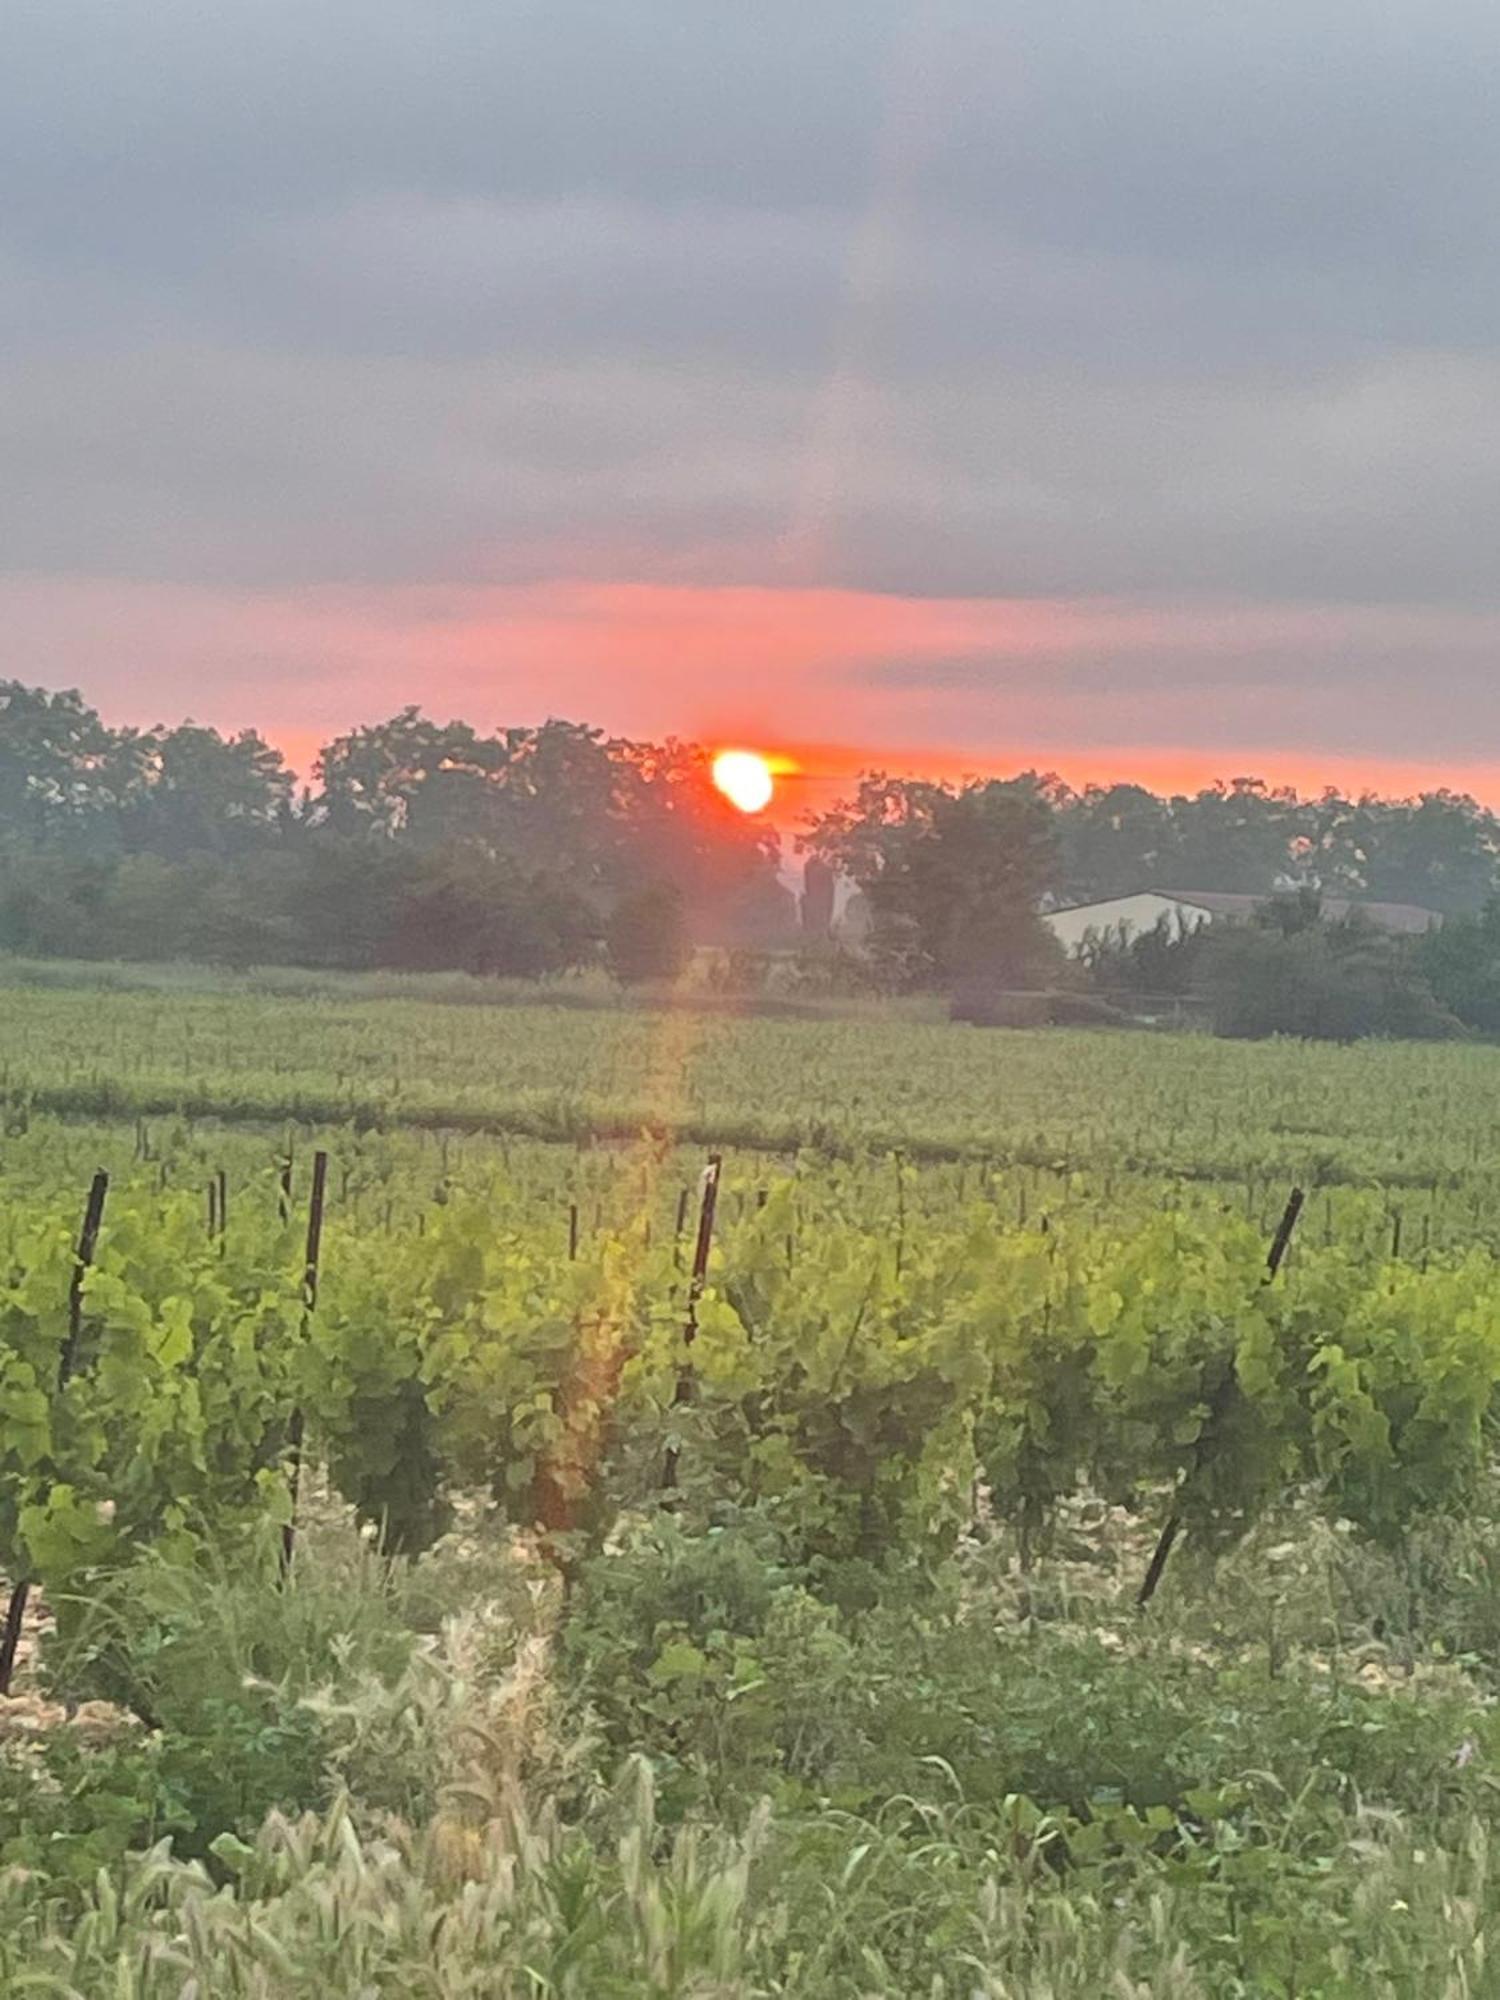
(1125, 917)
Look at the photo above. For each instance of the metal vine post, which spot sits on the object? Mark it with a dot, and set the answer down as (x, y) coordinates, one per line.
(707, 1208)
(309, 1307)
(1218, 1409)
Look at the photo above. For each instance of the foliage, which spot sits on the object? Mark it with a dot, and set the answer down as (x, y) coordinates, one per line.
(888, 1717)
(1292, 974)
(1460, 960)
(702, 1654)
(1167, 959)
(992, 1008)
(1291, 970)
(426, 844)
(852, 1373)
(398, 1056)
(953, 878)
(1437, 851)
(68, 782)
(174, 1415)
(200, 1682)
(647, 937)
(950, 1799)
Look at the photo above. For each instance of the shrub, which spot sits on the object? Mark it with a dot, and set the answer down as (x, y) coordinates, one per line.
(647, 936)
(1331, 982)
(218, 1665)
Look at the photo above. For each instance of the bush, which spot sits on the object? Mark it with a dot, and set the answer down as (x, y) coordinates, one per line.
(984, 1008)
(219, 1666)
(703, 1653)
(1328, 982)
(647, 936)
(1460, 960)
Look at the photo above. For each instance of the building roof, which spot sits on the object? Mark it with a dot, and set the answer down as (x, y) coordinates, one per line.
(1407, 917)
(1410, 918)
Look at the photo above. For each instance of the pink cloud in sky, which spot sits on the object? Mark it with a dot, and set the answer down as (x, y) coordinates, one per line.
(1093, 688)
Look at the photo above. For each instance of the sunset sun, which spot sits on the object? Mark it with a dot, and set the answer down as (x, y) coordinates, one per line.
(744, 777)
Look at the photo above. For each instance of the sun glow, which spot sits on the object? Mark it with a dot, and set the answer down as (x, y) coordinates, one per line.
(745, 779)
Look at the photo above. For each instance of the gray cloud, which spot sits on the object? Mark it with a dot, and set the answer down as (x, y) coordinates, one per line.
(926, 296)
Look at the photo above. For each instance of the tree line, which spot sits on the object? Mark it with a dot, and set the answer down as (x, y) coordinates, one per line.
(533, 850)
(417, 845)
(956, 880)
(1439, 850)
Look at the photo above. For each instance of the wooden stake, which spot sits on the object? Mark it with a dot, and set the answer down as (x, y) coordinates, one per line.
(682, 1209)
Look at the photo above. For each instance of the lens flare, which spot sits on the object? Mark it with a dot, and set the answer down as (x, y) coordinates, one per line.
(744, 777)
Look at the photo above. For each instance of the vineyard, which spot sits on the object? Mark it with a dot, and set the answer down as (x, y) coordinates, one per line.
(839, 1508)
(1383, 1114)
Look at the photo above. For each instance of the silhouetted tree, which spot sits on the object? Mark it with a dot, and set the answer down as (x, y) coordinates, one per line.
(953, 878)
(192, 791)
(52, 748)
(1439, 851)
(428, 780)
(436, 842)
(1114, 839)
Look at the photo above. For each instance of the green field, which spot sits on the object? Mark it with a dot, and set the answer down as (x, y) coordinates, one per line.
(1182, 1105)
(800, 1658)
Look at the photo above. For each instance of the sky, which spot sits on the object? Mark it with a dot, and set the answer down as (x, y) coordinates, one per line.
(933, 384)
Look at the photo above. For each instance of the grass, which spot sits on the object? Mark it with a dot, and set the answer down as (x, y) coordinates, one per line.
(843, 1908)
(590, 991)
(1005, 1787)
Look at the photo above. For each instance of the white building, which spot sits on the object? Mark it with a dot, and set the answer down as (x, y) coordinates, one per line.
(1125, 917)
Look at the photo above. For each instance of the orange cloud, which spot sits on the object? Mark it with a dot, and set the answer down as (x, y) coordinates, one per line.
(835, 679)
